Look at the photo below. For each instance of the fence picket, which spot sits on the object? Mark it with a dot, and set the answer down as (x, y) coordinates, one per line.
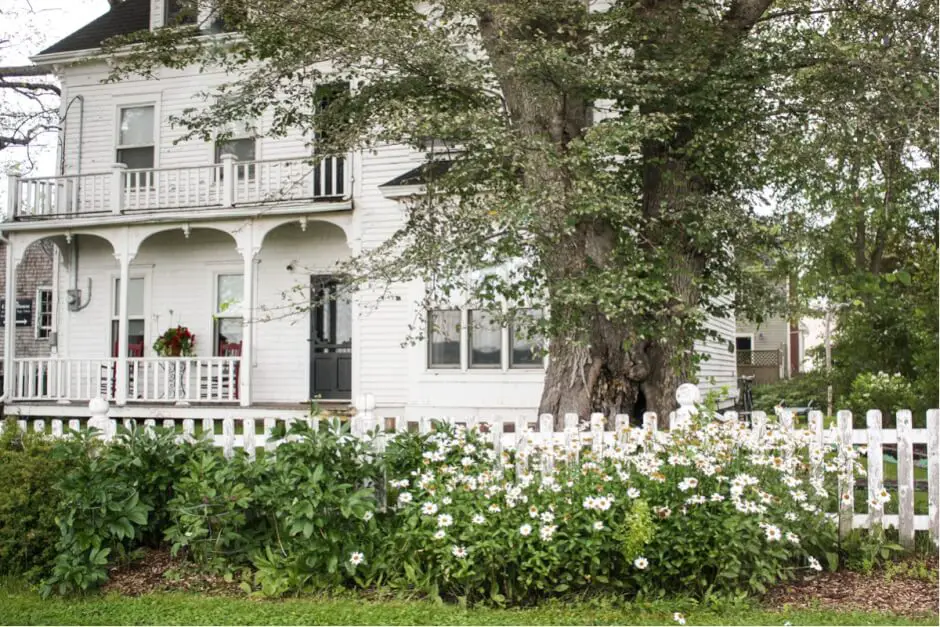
(875, 469)
(933, 474)
(846, 474)
(268, 430)
(905, 480)
(597, 435)
(189, 429)
(248, 437)
(56, 428)
(816, 428)
(228, 437)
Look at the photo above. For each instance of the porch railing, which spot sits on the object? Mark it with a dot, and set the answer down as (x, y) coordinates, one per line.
(149, 379)
(54, 379)
(226, 184)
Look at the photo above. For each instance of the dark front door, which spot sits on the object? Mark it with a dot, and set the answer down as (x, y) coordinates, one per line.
(330, 340)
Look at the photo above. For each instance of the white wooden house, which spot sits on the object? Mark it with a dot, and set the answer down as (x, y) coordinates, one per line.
(154, 234)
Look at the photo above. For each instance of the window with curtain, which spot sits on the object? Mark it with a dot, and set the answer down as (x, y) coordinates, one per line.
(528, 347)
(486, 340)
(444, 338)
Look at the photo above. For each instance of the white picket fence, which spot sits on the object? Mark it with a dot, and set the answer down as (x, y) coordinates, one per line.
(519, 433)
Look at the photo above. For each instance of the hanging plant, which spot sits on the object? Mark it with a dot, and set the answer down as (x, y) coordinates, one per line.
(176, 341)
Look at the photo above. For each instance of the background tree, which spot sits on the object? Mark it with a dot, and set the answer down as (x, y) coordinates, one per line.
(610, 154)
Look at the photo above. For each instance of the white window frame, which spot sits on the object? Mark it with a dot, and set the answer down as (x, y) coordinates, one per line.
(505, 365)
(154, 136)
(115, 306)
(228, 315)
(37, 316)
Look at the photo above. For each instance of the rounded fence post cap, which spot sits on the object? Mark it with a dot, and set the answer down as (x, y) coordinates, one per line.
(688, 394)
(98, 406)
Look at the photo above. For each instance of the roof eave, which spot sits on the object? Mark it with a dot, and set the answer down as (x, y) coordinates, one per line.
(400, 192)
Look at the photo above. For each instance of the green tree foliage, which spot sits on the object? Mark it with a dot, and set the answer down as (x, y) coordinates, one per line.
(606, 158)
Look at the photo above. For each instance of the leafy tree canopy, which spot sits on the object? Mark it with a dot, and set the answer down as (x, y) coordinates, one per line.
(609, 156)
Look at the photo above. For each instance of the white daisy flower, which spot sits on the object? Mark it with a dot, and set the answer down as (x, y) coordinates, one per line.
(478, 519)
(445, 520)
(447, 500)
(547, 517)
(525, 530)
(792, 538)
(598, 525)
(404, 498)
(547, 531)
(641, 563)
(440, 534)
(429, 509)
(356, 558)
(773, 533)
(368, 516)
(458, 551)
(633, 493)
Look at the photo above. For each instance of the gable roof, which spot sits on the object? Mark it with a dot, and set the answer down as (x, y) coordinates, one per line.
(123, 18)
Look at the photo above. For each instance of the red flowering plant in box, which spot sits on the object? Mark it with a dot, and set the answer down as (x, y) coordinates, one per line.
(175, 342)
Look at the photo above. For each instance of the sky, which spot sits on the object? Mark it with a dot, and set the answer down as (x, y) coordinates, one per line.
(32, 25)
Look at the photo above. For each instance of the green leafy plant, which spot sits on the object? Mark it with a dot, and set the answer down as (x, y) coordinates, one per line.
(212, 517)
(175, 341)
(28, 503)
(889, 393)
(101, 514)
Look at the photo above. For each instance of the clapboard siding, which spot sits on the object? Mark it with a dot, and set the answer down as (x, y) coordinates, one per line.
(768, 335)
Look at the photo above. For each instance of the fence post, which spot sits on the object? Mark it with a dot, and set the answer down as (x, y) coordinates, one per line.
(933, 474)
(875, 469)
(547, 433)
(846, 474)
(248, 437)
(816, 445)
(98, 408)
(117, 187)
(597, 436)
(905, 480)
(228, 434)
(572, 439)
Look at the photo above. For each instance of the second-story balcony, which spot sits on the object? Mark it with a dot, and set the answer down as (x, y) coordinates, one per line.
(219, 185)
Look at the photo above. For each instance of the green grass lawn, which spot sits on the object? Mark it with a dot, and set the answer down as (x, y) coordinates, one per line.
(21, 607)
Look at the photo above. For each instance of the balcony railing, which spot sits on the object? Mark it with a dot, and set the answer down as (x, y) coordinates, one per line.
(149, 379)
(218, 185)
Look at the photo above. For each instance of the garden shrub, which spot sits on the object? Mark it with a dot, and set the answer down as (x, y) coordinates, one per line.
(28, 503)
(800, 391)
(112, 499)
(704, 509)
(212, 514)
(889, 393)
(318, 496)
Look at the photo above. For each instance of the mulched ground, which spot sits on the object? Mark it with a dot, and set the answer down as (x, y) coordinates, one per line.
(157, 571)
(846, 590)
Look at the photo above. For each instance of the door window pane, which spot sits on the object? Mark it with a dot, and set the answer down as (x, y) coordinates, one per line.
(135, 338)
(485, 341)
(527, 348)
(742, 343)
(444, 339)
(136, 126)
(135, 298)
(230, 290)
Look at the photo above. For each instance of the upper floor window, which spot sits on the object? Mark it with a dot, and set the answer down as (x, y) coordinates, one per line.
(243, 151)
(135, 146)
(180, 12)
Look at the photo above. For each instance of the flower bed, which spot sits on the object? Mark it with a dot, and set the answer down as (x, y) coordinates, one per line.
(709, 508)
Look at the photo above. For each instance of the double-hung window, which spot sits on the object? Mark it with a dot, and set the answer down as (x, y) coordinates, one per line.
(486, 340)
(136, 147)
(228, 317)
(136, 320)
(43, 312)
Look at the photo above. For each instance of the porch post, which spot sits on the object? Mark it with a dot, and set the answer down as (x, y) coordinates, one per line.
(9, 330)
(120, 392)
(248, 250)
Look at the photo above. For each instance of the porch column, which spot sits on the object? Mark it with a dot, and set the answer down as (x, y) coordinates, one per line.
(9, 329)
(248, 251)
(120, 384)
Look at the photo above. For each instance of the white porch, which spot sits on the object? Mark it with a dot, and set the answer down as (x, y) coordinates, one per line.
(122, 286)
